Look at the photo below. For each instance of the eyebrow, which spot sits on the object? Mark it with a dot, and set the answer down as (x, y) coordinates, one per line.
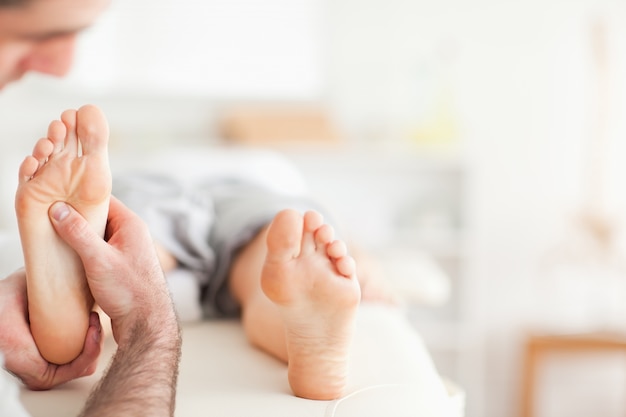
(44, 36)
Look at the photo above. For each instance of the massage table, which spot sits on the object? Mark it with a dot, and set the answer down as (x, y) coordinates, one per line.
(221, 374)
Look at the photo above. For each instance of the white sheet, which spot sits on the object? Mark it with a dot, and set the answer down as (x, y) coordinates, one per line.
(221, 374)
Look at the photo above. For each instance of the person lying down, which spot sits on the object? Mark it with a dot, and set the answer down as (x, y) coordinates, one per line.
(268, 258)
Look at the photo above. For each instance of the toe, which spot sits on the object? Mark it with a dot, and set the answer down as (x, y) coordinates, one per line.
(71, 139)
(337, 249)
(284, 236)
(92, 129)
(311, 222)
(346, 266)
(42, 150)
(323, 236)
(27, 169)
(56, 135)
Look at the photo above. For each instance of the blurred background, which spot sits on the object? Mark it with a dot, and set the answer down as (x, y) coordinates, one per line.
(487, 135)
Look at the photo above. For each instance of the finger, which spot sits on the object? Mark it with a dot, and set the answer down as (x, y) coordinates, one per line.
(75, 230)
(121, 216)
(86, 363)
(30, 368)
(118, 212)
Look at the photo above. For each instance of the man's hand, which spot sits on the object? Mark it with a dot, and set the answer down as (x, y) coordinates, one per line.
(127, 282)
(22, 358)
(123, 271)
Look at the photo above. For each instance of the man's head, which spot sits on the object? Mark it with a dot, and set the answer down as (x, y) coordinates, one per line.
(40, 35)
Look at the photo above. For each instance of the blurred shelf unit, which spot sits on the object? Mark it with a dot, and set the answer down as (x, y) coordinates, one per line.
(389, 197)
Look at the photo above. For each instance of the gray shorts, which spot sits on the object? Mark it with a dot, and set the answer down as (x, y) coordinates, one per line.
(204, 224)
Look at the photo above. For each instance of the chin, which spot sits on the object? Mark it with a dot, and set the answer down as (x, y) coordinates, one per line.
(5, 82)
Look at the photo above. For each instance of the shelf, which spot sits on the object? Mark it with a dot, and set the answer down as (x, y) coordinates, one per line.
(374, 156)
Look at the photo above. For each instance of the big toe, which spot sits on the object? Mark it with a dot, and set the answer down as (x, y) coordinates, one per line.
(284, 236)
(92, 129)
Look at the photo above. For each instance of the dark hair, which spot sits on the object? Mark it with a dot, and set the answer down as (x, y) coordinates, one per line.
(13, 3)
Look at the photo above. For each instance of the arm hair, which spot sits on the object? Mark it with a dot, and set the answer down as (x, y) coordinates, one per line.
(141, 378)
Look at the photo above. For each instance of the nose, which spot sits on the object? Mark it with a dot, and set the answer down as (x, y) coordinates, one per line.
(52, 56)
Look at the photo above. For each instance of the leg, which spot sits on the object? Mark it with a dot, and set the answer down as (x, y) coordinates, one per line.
(299, 295)
(167, 260)
(71, 165)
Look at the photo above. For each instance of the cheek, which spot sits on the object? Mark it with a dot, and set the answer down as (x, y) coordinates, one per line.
(12, 55)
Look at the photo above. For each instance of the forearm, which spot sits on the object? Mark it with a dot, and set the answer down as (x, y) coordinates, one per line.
(141, 379)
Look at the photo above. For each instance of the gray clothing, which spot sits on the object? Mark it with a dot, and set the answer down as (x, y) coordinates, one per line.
(204, 224)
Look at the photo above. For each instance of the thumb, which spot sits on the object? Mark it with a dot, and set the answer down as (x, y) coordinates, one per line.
(75, 230)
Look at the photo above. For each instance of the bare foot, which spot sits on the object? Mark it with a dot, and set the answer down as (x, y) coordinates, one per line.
(313, 282)
(70, 165)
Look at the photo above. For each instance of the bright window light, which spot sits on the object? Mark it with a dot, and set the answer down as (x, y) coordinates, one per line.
(219, 48)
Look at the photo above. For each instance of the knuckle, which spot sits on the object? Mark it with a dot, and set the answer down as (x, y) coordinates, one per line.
(35, 384)
(77, 229)
(90, 370)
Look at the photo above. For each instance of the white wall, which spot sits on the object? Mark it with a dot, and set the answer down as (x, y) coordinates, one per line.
(522, 77)
(530, 110)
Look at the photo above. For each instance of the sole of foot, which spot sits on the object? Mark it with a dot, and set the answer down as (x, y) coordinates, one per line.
(312, 280)
(71, 165)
